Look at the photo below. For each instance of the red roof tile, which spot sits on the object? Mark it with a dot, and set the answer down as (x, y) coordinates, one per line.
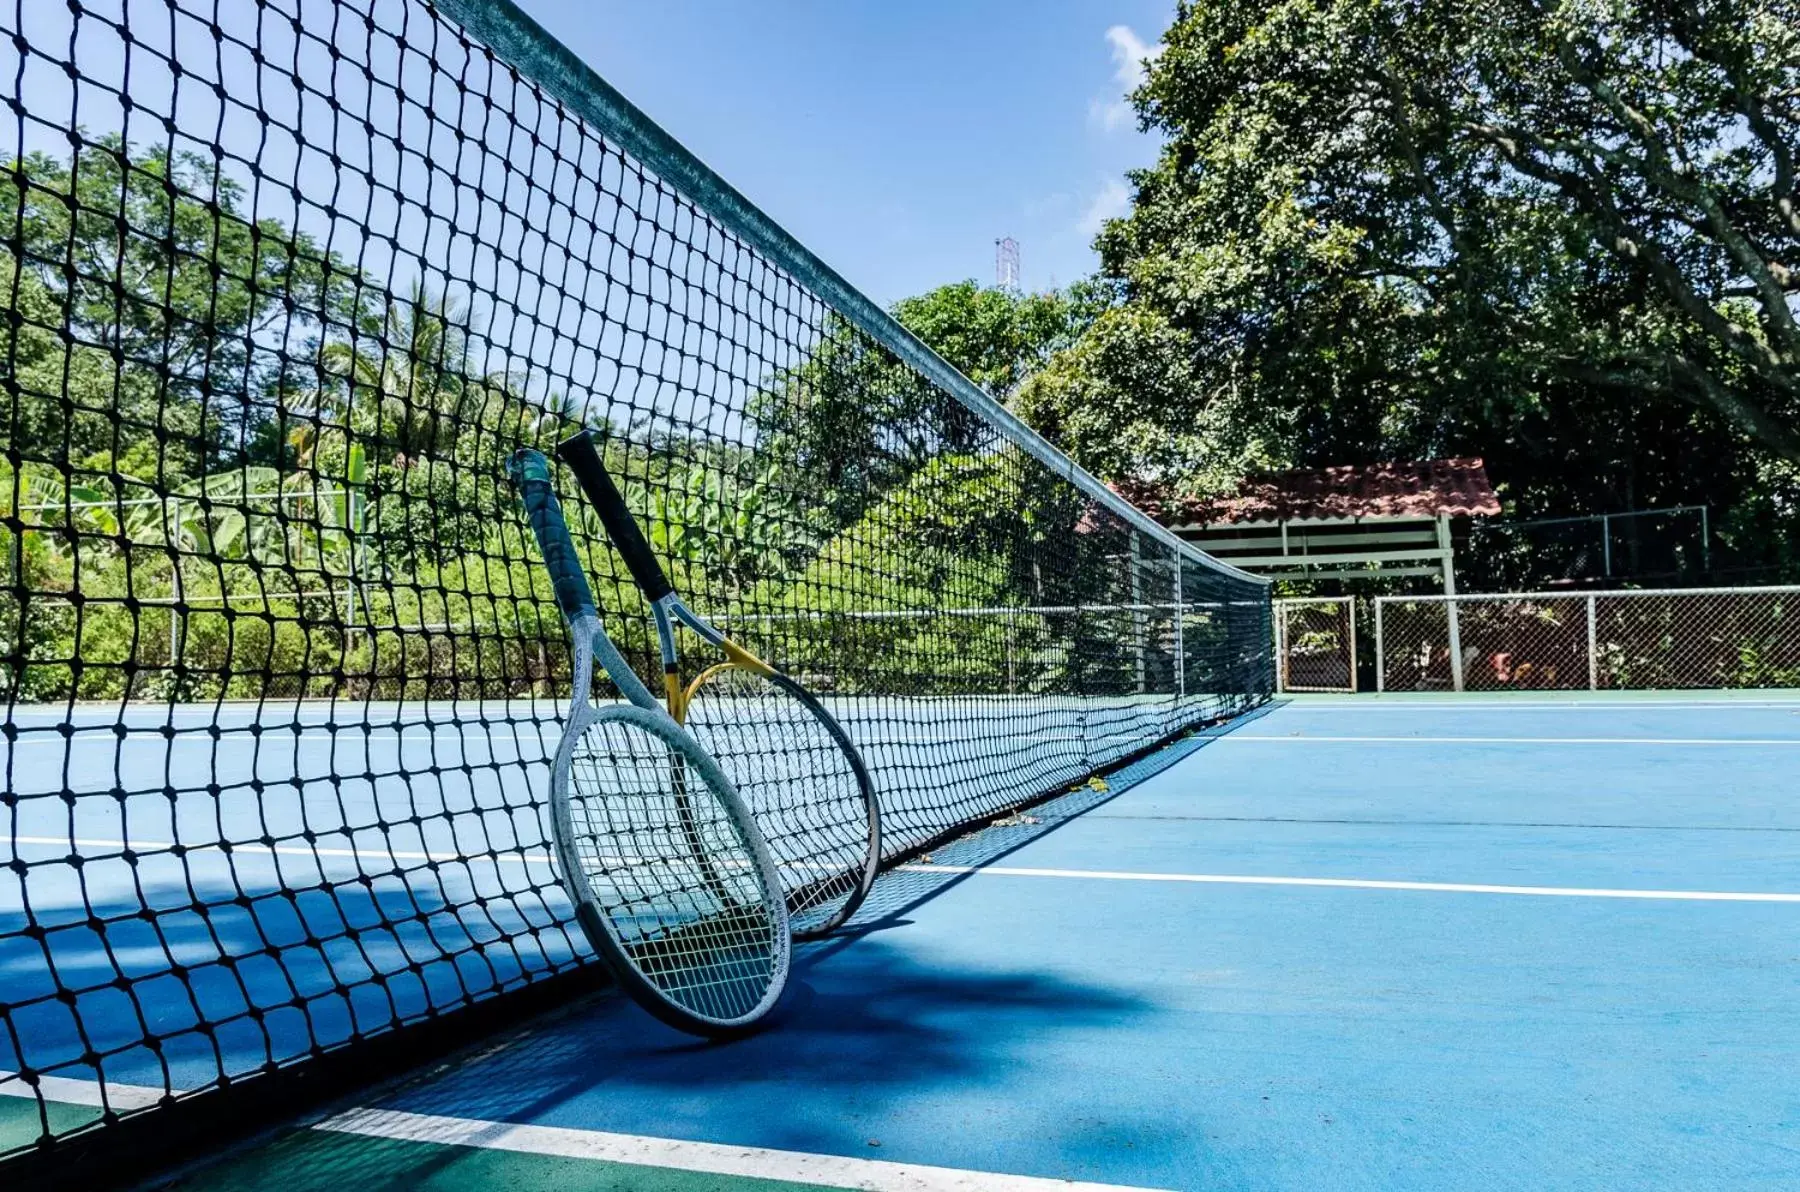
(1458, 487)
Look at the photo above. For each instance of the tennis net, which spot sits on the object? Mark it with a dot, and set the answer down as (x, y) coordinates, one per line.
(287, 282)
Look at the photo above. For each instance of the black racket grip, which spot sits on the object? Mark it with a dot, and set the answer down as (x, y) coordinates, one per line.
(530, 474)
(578, 452)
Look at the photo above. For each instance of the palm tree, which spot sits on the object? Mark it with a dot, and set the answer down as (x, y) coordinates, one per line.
(404, 381)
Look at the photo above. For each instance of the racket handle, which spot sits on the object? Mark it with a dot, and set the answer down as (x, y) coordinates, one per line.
(530, 473)
(578, 452)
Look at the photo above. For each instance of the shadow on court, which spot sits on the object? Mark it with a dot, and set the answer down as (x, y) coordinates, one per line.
(263, 977)
(859, 1037)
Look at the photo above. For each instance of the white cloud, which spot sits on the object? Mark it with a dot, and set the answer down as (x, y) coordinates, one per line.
(1048, 206)
(1113, 201)
(1130, 59)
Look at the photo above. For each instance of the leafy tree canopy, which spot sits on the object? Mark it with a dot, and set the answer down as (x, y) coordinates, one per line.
(1562, 235)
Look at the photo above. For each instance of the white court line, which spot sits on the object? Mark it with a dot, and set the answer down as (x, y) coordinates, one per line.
(794, 1167)
(80, 1092)
(163, 846)
(1309, 739)
(272, 739)
(154, 847)
(1344, 883)
(745, 1162)
(1527, 704)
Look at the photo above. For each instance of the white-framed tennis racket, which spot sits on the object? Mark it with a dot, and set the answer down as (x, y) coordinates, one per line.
(672, 881)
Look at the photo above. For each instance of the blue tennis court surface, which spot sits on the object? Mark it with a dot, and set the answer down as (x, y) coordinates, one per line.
(1350, 943)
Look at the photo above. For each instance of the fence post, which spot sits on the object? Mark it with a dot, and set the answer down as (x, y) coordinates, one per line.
(1350, 616)
(1593, 648)
(15, 547)
(1280, 647)
(1453, 613)
(1180, 635)
(1140, 623)
(1380, 653)
(1012, 670)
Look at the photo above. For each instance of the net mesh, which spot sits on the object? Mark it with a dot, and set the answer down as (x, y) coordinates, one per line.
(671, 874)
(286, 282)
(802, 786)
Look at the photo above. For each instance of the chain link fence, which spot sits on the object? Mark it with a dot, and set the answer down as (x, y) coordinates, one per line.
(1315, 643)
(1597, 641)
(1645, 546)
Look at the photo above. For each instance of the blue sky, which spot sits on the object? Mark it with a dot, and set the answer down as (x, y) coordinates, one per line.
(896, 138)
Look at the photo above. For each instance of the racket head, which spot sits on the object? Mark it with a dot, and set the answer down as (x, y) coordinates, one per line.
(804, 782)
(671, 880)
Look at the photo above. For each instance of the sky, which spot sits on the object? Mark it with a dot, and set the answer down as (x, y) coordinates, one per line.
(898, 139)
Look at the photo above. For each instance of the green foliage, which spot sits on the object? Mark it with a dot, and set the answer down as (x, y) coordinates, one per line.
(142, 292)
(922, 591)
(852, 422)
(996, 337)
(855, 422)
(325, 525)
(729, 522)
(221, 443)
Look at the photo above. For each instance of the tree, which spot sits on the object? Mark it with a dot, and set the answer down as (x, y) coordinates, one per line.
(856, 422)
(997, 337)
(1409, 228)
(147, 307)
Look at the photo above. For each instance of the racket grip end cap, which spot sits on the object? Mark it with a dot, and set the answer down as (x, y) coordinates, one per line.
(527, 464)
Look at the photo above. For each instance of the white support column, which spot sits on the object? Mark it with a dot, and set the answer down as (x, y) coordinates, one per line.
(1180, 634)
(1140, 626)
(1280, 648)
(1451, 613)
(1380, 652)
(1350, 615)
(1593, 648)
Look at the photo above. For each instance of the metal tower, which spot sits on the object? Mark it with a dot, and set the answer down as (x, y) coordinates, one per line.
(1006, 263)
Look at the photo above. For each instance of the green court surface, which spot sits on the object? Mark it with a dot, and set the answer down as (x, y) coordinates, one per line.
(324, 1162)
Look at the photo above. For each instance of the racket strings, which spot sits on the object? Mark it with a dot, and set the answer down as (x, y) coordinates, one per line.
(799, 784)
(670, 871)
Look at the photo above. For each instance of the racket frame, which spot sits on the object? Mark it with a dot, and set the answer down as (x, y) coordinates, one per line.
(590, 645)
(667, 607)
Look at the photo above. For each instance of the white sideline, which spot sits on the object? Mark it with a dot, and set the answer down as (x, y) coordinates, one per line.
(1309, 739)
(794, 1167)
(1526, 702)
(1346, 883)
(80, 1092)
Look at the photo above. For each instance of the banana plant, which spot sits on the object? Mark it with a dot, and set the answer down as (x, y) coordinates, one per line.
(715, 524)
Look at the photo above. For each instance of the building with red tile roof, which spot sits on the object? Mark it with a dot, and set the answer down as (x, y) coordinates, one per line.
(1337, 523)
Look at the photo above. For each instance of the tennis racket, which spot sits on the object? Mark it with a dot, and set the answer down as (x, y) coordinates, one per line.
(671, 880)
(787, 755)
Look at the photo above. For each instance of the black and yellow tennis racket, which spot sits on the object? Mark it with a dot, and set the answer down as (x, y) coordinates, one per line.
(786, 754)
(670, 877)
